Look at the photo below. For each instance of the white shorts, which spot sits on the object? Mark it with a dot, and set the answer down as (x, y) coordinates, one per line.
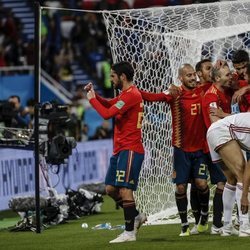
(234, 127)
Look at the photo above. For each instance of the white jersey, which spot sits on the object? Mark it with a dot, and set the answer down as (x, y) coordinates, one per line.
(233, 127)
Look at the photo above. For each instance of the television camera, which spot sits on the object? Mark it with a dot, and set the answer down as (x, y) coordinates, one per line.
(55, 145)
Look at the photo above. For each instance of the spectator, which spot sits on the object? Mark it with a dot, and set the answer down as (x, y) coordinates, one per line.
(103, 131)
(21, 118)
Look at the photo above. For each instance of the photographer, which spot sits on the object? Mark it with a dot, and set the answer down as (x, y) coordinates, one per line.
(21, 117)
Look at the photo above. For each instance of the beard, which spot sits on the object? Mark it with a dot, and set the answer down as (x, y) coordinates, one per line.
(118, 85)
(188, 86)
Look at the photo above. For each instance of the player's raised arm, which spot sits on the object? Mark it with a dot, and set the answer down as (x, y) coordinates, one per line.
(238, 95)
(166, 96)
(125, 164)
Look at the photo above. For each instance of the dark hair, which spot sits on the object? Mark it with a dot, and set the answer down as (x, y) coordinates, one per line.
(15, 96)
(124, 68)
(240, 56)
(198, 65)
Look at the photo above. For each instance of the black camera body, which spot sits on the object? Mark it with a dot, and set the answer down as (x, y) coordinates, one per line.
(56, 147)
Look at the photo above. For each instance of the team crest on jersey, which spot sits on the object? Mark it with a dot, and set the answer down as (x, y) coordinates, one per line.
(120, 104)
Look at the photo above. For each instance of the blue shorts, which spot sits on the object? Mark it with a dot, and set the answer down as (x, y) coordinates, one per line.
(189, 165)
(124, 169)
(216, 174)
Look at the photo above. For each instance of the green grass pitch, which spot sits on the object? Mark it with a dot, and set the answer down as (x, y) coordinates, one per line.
(72, 236)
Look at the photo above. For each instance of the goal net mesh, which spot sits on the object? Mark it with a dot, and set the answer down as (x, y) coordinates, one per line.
(157, 41)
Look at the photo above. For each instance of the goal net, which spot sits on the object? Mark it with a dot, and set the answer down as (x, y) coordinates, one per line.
(157, 41)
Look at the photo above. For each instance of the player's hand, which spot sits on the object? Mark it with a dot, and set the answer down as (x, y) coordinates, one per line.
(244, 205)
(90, 94)
(172, 90)
(220, 63)
(216, 112)
(89, 87)
(238, 95)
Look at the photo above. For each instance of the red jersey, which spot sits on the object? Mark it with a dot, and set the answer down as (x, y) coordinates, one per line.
(222, 100)
(127, 108)
(242, 83)
(245, 103)
(188, 128)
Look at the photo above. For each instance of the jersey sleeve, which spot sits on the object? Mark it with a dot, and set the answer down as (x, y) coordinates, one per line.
(121, 105)
(156, 97)
(209, 100)
(106, 102)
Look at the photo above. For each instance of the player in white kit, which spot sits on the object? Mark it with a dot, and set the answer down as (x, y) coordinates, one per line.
(226, 139)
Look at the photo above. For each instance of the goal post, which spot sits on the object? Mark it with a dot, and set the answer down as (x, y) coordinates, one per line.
(157, 41)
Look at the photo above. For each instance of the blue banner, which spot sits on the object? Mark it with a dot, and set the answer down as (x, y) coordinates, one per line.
(87, 164)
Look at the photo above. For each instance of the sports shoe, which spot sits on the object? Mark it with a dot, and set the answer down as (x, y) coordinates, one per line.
(229, 230)
(202, 228)
(236, 224)
(185, 233)
(124, 237)
(216, 230)
(244, 231)
(139, 220)
(194, 230)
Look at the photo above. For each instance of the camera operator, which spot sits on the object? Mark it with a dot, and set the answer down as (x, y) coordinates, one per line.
(21, 117)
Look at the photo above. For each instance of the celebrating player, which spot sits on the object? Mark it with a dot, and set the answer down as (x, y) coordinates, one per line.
(219, 96)
(204, 72)
(188, 149)
(240, 59)
(125, 164)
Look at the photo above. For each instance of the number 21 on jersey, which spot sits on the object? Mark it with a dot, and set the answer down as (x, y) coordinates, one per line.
(195, 108)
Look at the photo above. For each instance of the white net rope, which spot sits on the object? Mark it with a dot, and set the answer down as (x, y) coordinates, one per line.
(157, 41)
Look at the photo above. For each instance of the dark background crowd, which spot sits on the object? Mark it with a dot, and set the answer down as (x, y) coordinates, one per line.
(74, 49)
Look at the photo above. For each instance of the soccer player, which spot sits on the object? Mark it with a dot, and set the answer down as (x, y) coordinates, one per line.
(188, 149)
(240, 59)
(204, 72)
(219, 96)
(242, 96)
(226, 139)
(125, 164)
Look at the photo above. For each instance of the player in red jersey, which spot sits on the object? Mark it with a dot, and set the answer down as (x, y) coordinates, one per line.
(204, 72)
(219, 95)
(240, 59)
(125, 164)
(242, 96)
(188, 149)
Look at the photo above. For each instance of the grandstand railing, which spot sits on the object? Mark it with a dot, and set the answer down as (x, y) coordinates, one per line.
(44, 76)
